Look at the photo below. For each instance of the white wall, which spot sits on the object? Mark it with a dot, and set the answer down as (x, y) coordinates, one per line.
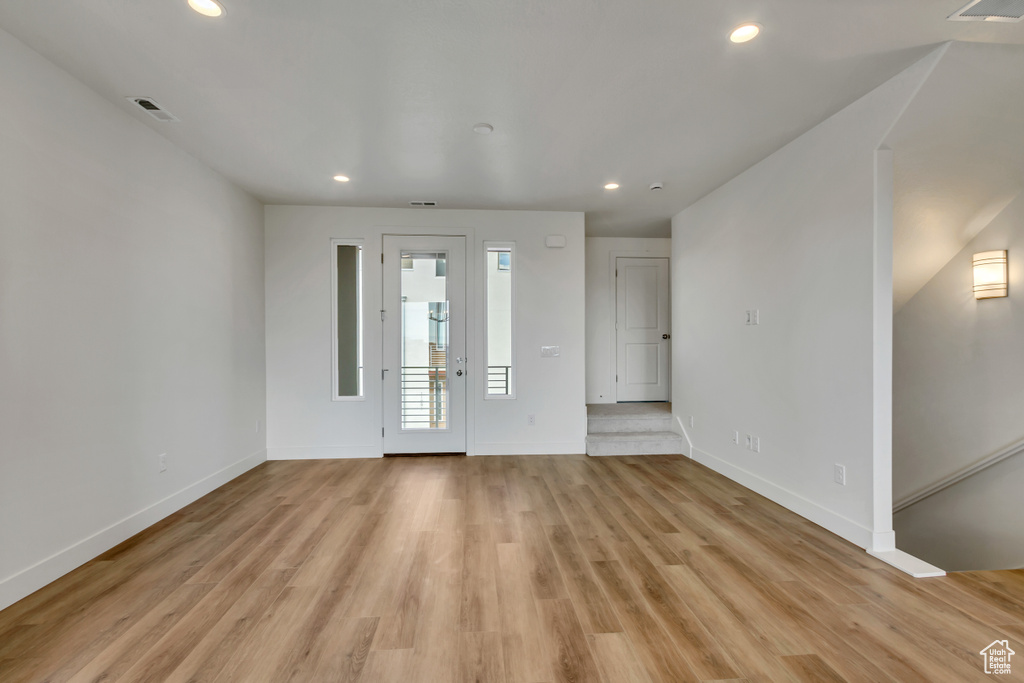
(974, 525)
(958, 390)
(958, 383)
(131, 324)
(303, 422)
(601, 253)
(796, 237)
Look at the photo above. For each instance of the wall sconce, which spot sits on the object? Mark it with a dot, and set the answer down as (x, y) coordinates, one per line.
(990, 274)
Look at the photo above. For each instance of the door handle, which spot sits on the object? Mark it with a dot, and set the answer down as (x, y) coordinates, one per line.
(666, 336)
(459, 373)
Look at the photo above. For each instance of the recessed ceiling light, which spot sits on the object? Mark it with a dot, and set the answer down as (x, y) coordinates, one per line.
(341, 178)
(745, 32)
(208, 8)
(611, 186)
(483, 128)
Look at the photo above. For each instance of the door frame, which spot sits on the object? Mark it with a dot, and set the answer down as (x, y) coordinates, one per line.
(613, 361)
(474, 304)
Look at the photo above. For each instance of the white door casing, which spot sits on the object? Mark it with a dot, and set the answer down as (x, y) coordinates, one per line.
(642, 328)
(426, 411)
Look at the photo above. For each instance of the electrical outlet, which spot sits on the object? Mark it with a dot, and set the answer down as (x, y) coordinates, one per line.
(840, 475)
(736, 438)
(691, 422)
(531, 420)
(162, 461)
(755, 444)
(756, 318)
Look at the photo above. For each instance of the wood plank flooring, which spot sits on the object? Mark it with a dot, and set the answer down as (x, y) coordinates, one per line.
(529, 569)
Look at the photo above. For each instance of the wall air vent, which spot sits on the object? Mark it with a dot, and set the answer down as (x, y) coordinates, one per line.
(154, 109)
(419, 203)
(990, 10)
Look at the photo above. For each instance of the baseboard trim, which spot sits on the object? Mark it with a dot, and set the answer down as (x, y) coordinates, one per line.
(827, 519)
(907, 563)
(31, 579)
(527, 448)
(324, 452)
(495, 448)
(681, 429)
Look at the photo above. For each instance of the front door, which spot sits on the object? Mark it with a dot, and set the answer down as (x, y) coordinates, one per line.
(425, 366)
(642, 329)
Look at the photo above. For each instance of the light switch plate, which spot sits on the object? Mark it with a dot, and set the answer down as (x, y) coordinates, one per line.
(550, 351)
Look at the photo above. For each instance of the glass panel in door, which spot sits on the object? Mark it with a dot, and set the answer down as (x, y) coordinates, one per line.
(424, 292)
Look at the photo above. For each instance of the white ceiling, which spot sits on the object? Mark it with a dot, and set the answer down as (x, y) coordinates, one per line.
(280, 96)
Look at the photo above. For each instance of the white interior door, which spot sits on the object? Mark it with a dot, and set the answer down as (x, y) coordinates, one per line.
(642, 327)
(425, 368)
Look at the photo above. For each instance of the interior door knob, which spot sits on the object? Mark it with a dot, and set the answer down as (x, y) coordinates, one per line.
(666, 336)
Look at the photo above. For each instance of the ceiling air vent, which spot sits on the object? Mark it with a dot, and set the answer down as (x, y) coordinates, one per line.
(990, 10)
(154, 109)
(417, 203)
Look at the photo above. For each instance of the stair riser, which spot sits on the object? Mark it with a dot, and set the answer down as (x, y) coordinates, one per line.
(625, 424)
(660, 447)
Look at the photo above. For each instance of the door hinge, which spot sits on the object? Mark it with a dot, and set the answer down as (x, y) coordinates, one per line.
(616, 378)
(382, 315)
(382, 258)
(382, 432)
(616, 272)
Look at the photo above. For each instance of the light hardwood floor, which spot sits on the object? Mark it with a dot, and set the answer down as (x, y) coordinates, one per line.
(524, 569)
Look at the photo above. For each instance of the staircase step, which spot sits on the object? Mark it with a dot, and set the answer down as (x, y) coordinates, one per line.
(604, 418)
(634, 443)
(600, 424)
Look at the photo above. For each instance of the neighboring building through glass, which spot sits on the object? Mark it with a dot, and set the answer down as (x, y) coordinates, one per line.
(499, 322)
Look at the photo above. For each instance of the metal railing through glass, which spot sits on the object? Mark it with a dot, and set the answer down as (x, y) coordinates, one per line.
(424, 397)
(499, 380)
(425, 393)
